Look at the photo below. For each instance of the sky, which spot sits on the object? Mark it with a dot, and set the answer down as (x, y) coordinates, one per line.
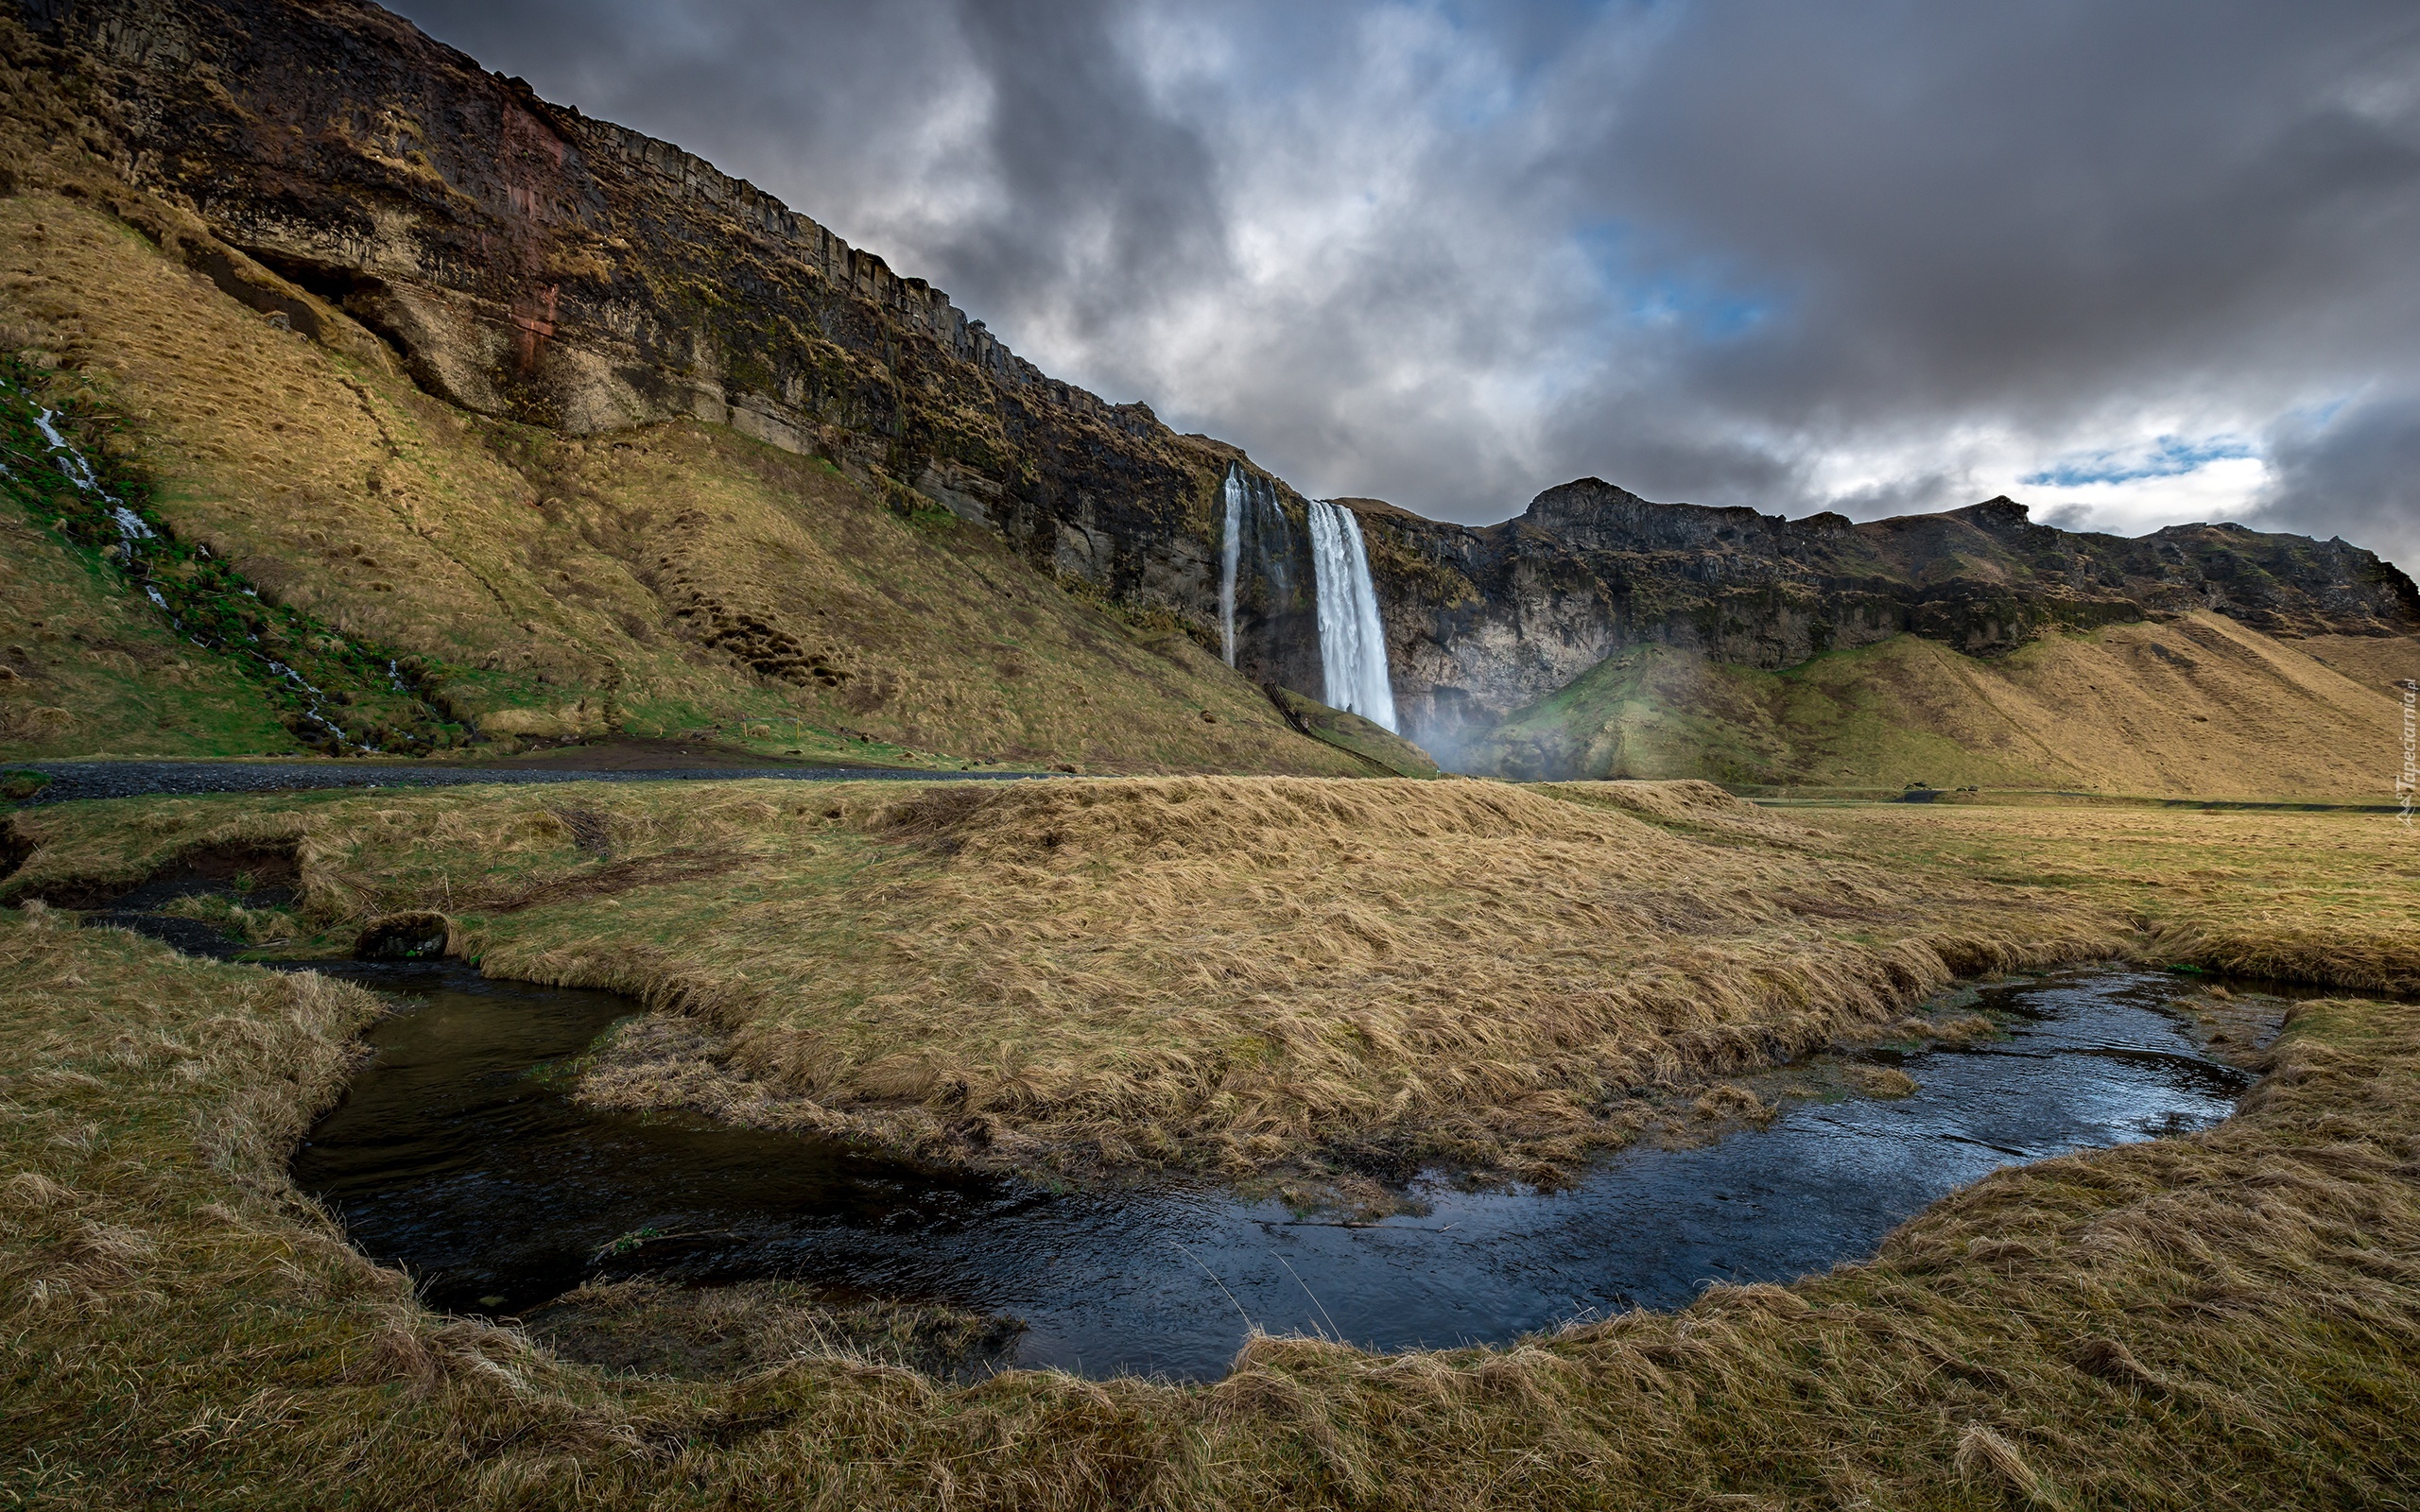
(2132, 263)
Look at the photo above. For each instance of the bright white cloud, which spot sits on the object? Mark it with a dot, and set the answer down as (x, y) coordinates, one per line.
(2227, 489)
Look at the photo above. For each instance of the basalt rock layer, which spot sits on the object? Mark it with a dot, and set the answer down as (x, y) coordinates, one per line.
(378, 192)
(523, 261)
(1483, 622)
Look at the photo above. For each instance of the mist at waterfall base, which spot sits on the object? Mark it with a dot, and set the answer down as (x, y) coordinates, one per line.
(1255, 536)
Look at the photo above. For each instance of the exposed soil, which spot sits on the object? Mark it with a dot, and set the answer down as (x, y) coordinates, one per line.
(264, 870)
(624, 876)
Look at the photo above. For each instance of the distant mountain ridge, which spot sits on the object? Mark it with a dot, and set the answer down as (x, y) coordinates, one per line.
(1484, 621)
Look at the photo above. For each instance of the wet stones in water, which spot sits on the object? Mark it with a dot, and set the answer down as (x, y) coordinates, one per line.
(413, 937)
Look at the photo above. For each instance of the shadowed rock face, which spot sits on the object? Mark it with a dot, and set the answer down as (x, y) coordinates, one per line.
(523, 261)
(1481, 622)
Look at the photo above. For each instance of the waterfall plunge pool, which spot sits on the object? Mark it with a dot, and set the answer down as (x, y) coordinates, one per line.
(458, 1155)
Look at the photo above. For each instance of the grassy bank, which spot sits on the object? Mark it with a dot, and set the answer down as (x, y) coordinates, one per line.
(2220, 1321)
(2327, 897)
(1258, 978)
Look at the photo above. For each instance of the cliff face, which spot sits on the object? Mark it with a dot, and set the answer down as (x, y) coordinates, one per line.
(1484, 622)
(526, 262)
(522, 261)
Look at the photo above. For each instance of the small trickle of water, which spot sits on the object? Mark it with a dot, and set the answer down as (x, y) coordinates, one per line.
(63, 452)
(1352, 641)
(133, 557)
(1256, 564)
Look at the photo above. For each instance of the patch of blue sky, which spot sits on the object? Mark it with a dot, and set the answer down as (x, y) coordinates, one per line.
(2315, 417)
(2168, 456)
(1697, 302)
(1706, 310)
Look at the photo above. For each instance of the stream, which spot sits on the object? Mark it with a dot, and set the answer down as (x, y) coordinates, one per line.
(458, 1155)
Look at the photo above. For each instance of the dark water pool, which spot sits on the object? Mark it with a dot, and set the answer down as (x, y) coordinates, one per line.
(454, 1159)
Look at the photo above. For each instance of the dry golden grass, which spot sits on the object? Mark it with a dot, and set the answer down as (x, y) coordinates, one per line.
(2327, 897)
(2381, 663)
(1241, 975)
(656, 580)
(2201, 705)
(655, 1327)
(2226, 1321)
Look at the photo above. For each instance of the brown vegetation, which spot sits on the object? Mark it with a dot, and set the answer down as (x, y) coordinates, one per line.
(558, 592)
(2197, 704)
(655, 1327)
(1246, 976)
(2329, 897)
(2224, 1321)
(1256, 978)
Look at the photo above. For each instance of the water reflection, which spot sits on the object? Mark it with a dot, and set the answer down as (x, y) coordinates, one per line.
(458, 1155)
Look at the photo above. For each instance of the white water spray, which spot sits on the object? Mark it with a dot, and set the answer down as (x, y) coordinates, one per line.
(1230, 556)
(1353, 643)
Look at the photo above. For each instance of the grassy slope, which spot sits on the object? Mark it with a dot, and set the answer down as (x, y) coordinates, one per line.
(92, 669)
(1241, 975)
(658, 580)
(2224, 1321)
(2376, 662)
(2201, 705)
(1385, 750)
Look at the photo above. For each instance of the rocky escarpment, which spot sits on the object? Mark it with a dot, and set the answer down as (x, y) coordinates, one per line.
(379, 192)
(1482, 622)
(523, 261)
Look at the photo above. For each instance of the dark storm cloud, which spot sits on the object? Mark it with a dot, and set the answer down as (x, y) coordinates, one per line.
(1875, 257)
(2356, 474)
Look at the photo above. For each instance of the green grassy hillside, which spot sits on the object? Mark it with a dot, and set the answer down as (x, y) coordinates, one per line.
(675, 578)
(2198, 705)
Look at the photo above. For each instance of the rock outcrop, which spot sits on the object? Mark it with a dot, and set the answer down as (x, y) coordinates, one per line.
(1483, 622)
(523, 261)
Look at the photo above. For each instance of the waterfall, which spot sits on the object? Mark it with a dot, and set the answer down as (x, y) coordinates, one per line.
(1231, 555)
(1257, 552)
(1353, 643)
